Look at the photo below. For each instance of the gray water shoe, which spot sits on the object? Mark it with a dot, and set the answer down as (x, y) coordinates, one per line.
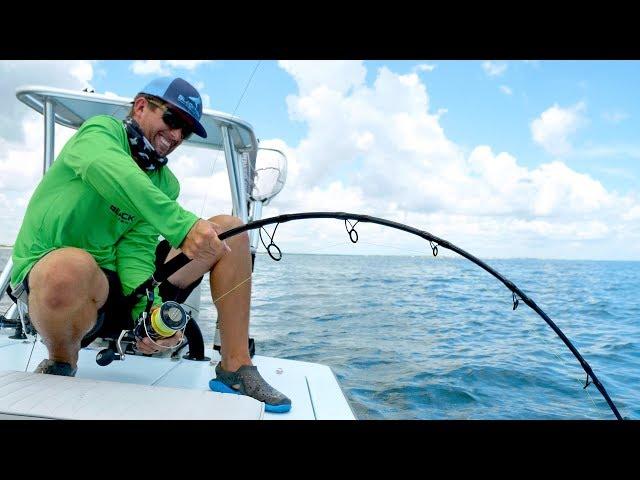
(247, 381)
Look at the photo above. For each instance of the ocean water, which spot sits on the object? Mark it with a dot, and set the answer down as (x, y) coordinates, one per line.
(437, 338)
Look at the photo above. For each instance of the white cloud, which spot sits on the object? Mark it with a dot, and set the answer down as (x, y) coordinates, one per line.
(83, 71)
(425, 67)
(378, 149)
(554, 126)
(149, 67)
(494, 69)
(68, 74)
(354, 123)
(21, 132)
(563, 192)
(21, 165)
(506, 90)
(566, 232)
(206, 99)
(204, 183)
(632, 214)
(164, 67)
(338, 76)
(551, 190)
(187, 64)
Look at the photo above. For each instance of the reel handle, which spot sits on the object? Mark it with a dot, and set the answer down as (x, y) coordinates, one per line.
(106, 356)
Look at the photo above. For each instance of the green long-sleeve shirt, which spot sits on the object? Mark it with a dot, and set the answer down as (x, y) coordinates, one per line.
(97, 198)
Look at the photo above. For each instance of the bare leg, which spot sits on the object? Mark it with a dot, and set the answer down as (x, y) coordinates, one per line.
(230, 280)
(66, 290)
(226, 273)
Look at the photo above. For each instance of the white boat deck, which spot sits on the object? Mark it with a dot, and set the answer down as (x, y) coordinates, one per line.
(313, 388)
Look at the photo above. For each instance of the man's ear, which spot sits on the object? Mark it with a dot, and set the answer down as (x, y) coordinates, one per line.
(138, 105)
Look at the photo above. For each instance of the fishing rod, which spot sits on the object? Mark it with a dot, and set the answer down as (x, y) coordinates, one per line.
(180, 260)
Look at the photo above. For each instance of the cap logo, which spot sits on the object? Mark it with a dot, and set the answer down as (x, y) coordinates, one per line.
(190, 104)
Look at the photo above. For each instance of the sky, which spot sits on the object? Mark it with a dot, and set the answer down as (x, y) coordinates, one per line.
(506, 159)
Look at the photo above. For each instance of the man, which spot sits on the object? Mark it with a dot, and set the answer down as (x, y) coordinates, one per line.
(90, 236)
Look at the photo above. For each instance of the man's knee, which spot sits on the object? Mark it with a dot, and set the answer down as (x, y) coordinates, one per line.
(227, 222)
(67, 276)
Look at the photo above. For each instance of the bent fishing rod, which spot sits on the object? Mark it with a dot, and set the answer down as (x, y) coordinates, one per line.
(180, 260)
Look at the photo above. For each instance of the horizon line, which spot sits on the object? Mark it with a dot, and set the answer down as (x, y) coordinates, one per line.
(427, 255)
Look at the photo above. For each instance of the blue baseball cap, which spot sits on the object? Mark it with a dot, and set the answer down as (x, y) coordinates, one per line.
(182, 95)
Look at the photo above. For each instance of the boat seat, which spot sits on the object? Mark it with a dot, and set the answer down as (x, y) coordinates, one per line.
(27, 395)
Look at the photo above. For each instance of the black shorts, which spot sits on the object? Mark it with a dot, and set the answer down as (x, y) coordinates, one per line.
(115, 316)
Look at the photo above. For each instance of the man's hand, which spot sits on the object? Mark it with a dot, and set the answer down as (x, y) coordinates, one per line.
(202, 242)
(147, 346)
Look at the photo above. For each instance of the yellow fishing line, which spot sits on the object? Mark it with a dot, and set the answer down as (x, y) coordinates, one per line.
(242, 282)
(159, 326)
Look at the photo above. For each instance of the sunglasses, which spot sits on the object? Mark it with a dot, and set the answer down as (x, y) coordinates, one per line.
(173, 120)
